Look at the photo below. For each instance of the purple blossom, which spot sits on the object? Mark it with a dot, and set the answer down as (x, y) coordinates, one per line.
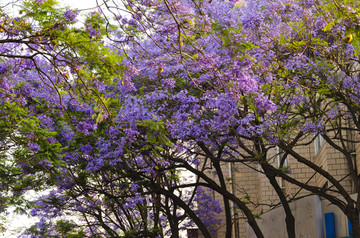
(313, 127)
(47, 164)
(46, 121)
(71, 15)
(132, 22)
(96, 164)
(264, 104)
(51, 140)
(92, 32)
(86, 149)
(85, 127)
(252, 22)
(113, 132)
(131, 134)
(30, 135)
(49, 206)
(33, 146)
(3, 69)
(81, 209)
(169, 82)
(288, 170)
(320, 23)
(5, 85)
(207, 210)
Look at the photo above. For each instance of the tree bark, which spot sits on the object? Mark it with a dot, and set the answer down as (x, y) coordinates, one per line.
(355, 225)
(228, 232)
(289, 218)
(186, 208)
(242, 206)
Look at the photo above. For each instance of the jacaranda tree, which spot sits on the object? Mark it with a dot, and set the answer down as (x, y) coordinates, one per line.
(102, 115)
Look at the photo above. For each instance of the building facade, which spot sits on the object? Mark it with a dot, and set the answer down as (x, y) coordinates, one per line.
(313, 215)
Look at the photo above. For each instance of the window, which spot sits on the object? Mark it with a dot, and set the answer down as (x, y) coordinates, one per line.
(318, 142)
(284, 165)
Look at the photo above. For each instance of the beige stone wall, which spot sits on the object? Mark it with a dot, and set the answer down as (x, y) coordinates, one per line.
(338, 167)
(248, 182)
(300, 172)
(308, 215)
(245, 184)
(267, 195)
(320, 160)
(357, 153)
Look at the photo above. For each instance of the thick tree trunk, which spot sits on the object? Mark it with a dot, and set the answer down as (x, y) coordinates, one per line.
(354, 219)
(175, 229)
(228, 231)
(289, 218)
(203, 229)
(213, 185)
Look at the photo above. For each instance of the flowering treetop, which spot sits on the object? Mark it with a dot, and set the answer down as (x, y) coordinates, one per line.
(106, 113)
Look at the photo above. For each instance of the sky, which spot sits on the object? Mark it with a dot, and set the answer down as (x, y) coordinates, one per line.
(80, 4)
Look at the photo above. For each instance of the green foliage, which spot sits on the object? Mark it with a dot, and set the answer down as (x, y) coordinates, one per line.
(226, 35)
(67, 229)
(86, 56)
(156, 135)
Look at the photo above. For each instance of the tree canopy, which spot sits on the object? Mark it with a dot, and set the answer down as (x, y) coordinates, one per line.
(103, 114)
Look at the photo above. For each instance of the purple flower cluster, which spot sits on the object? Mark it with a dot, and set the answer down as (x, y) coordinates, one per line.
(71, 15)
(33, 146)
(169, 83)
(208, 210)
(131, 134)
(244, 74)
(86, 149)
(85, 126)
